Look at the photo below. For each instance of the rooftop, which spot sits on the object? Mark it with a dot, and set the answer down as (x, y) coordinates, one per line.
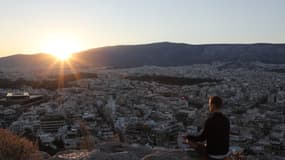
(18, 94)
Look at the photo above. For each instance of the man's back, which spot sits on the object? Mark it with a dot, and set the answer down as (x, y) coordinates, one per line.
(216, 132)
(218, 127)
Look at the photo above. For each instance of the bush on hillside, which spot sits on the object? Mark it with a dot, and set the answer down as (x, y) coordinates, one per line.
(13, 147)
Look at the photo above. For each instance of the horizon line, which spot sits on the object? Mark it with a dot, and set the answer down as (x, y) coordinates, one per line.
(157, 42)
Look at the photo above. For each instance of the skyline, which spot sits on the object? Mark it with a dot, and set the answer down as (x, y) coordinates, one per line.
(26, 27)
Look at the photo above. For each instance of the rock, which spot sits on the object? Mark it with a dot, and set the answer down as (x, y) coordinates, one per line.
(122, 151)
(95, 155)
(139, 150)
(124, 156)
(136, 150)
(71, 155)
(170, 155)
(40, 155)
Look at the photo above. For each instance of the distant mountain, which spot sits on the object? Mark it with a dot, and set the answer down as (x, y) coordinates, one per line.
(26, 62)
(160, 54)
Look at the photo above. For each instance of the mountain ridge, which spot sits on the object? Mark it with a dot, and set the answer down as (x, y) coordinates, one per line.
(159, 54)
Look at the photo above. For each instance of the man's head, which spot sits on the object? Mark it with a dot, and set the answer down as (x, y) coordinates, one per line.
(215, 103)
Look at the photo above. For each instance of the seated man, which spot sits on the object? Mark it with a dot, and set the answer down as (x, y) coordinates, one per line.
(216, 133)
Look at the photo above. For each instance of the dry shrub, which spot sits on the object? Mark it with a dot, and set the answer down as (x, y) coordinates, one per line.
(13, 147)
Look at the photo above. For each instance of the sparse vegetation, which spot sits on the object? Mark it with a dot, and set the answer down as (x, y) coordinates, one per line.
(171, 80)
(46, 84)
(87, 140)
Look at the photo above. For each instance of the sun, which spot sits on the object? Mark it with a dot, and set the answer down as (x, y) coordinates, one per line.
(61, 47)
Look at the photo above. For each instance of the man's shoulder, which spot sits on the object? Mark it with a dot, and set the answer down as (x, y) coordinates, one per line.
(217, 118)
(217, 115)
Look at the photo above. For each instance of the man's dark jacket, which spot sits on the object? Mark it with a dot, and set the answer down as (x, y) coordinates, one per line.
(216, 133)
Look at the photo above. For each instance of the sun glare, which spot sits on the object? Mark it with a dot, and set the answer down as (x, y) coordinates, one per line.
(61, 48)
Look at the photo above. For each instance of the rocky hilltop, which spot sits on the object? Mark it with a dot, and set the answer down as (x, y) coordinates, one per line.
(120, 151)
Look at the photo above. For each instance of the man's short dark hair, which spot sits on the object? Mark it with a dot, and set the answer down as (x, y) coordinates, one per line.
(216, 101)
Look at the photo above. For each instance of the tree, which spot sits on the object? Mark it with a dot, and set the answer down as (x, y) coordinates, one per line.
(87, 140)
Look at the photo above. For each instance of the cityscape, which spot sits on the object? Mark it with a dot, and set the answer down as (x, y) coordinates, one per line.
(151, 106)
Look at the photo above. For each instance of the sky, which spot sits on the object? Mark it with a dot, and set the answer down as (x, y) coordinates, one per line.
(27, 26)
